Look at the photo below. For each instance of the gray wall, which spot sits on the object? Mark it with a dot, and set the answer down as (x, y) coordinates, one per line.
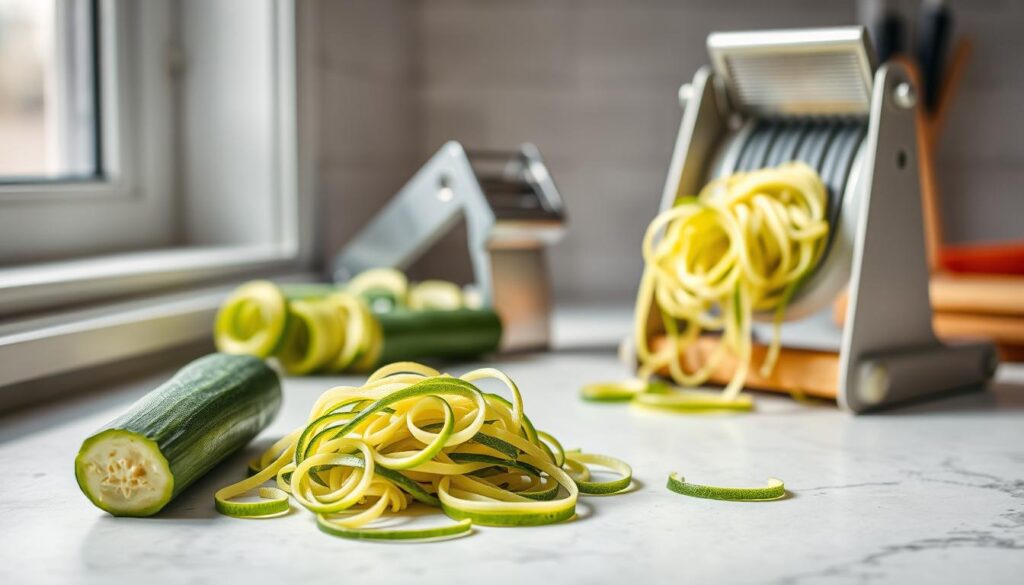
(593, 84)
(368, 97)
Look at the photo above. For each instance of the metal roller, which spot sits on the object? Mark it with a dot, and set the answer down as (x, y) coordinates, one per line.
(812, 150)
(835, 170)
(790, 137)
(754, 152)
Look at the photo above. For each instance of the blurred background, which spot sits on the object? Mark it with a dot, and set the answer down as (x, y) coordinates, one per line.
(593, 83)
(159, 147)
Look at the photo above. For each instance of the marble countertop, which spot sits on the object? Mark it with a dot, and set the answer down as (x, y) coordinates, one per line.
(933, 491)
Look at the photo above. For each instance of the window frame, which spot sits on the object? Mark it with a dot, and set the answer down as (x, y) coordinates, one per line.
(118, 90)
(171, 266)
(134, 190)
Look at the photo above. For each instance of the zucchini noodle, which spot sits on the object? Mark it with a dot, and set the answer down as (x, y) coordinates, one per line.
(316, 327)
(744, 245)
(411, 434)
(775, 490)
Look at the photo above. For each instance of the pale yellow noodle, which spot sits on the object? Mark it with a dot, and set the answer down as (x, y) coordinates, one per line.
(743, 245)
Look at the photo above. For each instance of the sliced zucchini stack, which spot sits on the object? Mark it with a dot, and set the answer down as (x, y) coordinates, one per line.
(376, 319)
(170, 438)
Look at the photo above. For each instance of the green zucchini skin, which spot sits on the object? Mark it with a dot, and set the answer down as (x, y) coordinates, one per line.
(210, 408)
(437, 334)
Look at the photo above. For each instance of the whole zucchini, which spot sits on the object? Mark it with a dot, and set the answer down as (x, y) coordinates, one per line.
(212, 407)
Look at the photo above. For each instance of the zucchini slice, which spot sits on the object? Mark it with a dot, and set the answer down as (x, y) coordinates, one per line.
(171, 437)
(382, 288)
(775, 490)
(436, 294)
(314, 337)
(252, 320)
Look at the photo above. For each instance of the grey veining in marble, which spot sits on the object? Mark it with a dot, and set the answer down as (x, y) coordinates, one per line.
(930, 492)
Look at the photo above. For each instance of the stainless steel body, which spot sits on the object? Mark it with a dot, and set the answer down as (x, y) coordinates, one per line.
(809, 95)
(512, 212)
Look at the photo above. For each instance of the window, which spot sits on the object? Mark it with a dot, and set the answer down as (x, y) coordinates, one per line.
(146, 146)
(49, 90)
(155, 162)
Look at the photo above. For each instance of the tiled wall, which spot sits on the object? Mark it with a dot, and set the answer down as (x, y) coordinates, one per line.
(368, 128)
(593, 83)
(982, 154)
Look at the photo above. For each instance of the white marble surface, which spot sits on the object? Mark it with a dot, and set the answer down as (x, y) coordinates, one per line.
(931, 492)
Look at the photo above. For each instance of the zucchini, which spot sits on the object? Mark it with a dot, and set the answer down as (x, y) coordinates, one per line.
(141, 460)
(435, 334)
(319, 328)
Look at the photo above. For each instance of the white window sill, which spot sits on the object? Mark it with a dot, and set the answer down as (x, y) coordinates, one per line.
(80, 281)
(63, 342)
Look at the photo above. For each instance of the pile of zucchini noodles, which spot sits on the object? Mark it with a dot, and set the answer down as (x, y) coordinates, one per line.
(744, 245)
(411, 434)
(335, 331)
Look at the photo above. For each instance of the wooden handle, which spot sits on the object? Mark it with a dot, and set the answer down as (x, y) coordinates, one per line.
(954, 76)
(798, 371)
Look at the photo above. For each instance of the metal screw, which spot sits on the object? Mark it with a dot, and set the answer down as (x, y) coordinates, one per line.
(904, 95)
(444, 189)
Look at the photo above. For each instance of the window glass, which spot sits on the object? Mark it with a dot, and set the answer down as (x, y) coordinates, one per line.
(49, 122)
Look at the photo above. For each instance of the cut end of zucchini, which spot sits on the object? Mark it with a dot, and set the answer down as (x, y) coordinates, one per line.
(124, 473)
